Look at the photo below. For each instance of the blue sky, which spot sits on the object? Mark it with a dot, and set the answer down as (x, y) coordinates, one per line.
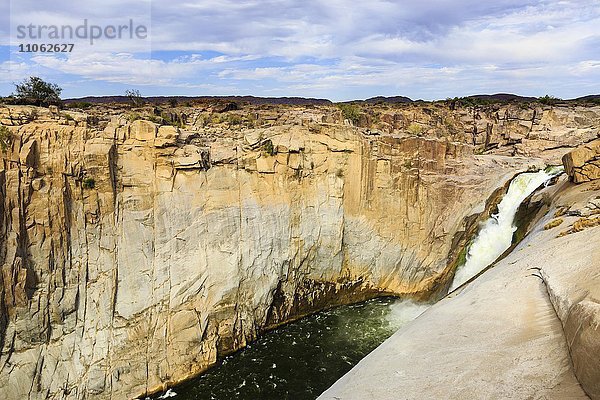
(336, 49)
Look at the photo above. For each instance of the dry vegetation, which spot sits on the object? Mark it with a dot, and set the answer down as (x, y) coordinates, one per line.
(580, 225)
(553, 224)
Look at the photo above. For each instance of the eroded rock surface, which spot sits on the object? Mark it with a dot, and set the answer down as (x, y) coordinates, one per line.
(134, 254)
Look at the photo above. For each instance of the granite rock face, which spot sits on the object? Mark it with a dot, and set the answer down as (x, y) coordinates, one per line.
(526, 328)
(133, 254)
(583, 163)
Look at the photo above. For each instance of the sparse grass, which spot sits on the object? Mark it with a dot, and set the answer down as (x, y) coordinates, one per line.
(155, 118)
(561, 211)
(553, 224)
(133, 117)
(68, 116)
(583, 223)
(580, 225)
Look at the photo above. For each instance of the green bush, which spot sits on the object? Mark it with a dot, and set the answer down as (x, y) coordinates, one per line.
(88, 183)
(416, 129)
(36, 91)
(268, 148)
(5, 138)
(234, 119)
(350, 112)
(548, 100)
(80, 104)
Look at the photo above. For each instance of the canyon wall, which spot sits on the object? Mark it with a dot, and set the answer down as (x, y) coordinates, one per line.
(526, 328)
(134, 254)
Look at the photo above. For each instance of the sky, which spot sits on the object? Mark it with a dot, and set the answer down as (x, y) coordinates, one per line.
(335, 49)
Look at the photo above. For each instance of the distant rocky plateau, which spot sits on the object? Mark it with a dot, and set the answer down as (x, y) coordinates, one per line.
(140, 244)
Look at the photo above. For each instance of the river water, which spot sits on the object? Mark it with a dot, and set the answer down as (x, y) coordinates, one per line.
(302, 359)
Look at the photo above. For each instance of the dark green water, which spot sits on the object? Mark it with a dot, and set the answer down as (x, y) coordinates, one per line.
(301, 360)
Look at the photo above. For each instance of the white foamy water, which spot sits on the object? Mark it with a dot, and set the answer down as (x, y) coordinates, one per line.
(495, 236)
(402, 312)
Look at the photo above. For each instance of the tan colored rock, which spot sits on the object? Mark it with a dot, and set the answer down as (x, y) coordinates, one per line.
(265, 164)
(143, 130)
(37, 184)
(167, 136)
(29, 154)
(223, 153)
(583, 163)
(253, 137)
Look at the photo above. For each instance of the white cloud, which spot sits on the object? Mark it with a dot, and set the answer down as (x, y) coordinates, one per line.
(338, 48)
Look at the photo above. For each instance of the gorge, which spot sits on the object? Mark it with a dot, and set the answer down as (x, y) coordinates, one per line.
(136, 252)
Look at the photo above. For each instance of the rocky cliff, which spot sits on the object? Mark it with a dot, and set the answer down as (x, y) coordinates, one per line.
(526, 328)
(135, 253)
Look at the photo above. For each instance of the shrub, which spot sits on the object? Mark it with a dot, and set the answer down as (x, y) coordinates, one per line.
(88, 183)
(416, 129)
(350, 112)
(553, 224)
(548, 100)
(5, 138)
(134, 96)
(133, 117)
(234, 119)
(36, 91)
(268, 148)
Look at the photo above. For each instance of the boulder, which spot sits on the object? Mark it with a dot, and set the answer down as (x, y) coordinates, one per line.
(583, 163)
(167, 136)
(143, 130)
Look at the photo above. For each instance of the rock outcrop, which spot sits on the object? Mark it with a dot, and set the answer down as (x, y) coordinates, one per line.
(134, 254)
(583, 163)
(526, 328)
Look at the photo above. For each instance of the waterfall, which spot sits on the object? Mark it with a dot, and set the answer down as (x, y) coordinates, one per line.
(495, 235)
